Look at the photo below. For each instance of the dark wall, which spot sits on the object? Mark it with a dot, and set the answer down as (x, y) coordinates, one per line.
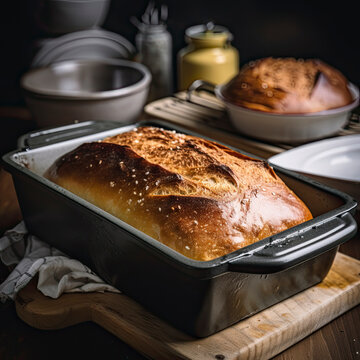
(320, 29)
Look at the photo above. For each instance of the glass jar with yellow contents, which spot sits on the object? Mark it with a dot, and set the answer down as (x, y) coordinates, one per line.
(208, 56)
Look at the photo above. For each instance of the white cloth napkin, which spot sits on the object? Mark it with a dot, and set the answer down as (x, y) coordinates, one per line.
(57, 272)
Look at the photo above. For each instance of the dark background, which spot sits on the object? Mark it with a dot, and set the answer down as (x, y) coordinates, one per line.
(312, 29)
(323, 29)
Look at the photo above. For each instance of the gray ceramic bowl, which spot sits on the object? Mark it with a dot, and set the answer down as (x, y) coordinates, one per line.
(83, 90)
(65, 16)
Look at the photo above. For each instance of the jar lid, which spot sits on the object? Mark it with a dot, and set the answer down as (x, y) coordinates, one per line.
(206, 31)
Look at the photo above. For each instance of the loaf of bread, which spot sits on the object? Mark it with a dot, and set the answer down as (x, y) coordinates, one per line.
(198, 197)
(288, 86)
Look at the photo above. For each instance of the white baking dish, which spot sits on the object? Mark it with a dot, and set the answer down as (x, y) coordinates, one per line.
(283, 128)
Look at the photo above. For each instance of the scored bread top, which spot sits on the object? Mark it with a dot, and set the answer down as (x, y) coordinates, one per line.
(198, 197)
(287, 85)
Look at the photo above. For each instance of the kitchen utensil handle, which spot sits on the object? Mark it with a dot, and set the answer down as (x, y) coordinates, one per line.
(293, 250)
(54, 135)
(200, 85)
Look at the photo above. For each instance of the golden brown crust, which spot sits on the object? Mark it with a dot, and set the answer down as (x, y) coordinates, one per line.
(287, 85)
(200, 198)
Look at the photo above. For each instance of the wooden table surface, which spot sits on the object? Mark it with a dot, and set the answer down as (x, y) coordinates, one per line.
(340, 339)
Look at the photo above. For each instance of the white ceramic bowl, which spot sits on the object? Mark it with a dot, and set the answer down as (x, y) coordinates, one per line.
(289, 128)
(84, 90)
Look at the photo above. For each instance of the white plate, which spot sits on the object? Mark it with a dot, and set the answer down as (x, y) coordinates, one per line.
(336, 158)
(86, 44)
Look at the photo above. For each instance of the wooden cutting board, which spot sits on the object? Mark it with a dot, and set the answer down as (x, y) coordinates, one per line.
(260, 337)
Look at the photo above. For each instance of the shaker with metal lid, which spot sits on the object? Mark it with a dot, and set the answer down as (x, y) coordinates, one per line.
(154, 45)
(209, 56)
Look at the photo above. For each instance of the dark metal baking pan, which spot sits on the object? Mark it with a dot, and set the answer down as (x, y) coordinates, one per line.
(197, 297)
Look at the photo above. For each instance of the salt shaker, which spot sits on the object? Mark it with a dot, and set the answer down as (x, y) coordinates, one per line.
(154, 45)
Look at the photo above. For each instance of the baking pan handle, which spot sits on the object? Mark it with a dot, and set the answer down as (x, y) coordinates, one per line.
(290, 251)
(54, 135)
(199, 85)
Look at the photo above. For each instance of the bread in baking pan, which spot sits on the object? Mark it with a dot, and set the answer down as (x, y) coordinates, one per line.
(198, 197)
(288, 86)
